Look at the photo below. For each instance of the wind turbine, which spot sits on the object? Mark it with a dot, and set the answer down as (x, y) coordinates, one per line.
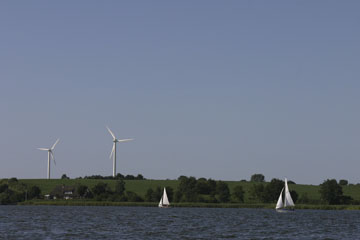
(50, 155)
(113, 151)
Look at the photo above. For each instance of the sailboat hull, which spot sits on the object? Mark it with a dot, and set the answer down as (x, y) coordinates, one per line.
(165, 206)
(284, 210)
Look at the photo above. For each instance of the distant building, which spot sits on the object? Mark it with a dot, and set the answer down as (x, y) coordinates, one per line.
(63, 192)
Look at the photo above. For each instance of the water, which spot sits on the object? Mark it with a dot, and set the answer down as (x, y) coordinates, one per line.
(65, 222)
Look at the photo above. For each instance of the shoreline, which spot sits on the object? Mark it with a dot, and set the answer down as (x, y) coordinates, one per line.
(179, 205)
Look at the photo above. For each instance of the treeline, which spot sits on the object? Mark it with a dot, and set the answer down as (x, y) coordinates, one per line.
(102, 192)
(191, 189)
(269, 193)
(118, 176)
(12, 191)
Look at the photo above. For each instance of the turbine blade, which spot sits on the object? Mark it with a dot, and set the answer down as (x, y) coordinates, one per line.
(55, 144)
(43, 149)
(52, 156)
(125, 140)
(112, 151)
(112, 134)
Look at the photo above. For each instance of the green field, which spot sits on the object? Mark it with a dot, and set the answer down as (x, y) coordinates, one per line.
(140, 186)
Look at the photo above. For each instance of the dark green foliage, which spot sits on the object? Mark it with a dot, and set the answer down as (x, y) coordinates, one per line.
(34, 192)
(11, 191)
(139, 177)
(294, 195)
(343, 182)
(344, 200)
(186, 191)
(149, 195)
(3, 187)
(256, 192)
(4, 198)
(120, 187)
(272, 190)
(117, 177)
(223, 191)
(12, 180)
(100, 189)
(64, 177)
(304, 199)
(133, 197)
(82, 190)
(203, 187)
(331, 192)
(170, 193)
(238, 193)
(257, 178)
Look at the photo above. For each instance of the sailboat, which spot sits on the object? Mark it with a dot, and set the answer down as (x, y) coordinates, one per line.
(288, 203)
(164, 201)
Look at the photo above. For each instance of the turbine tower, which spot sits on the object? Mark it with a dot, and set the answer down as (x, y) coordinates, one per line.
(50, 155)
(113, 151)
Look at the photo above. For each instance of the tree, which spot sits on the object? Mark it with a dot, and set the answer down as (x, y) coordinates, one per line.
(257, 178)
(64, 176)
(149, 195)
(223, 191)
(100, 188)
(3, 187)
(120, 187)
(330, 191)
(272, 190)
(186, 191)
(82, 190)
(34, 192)
(257, 192)
(343, 182)
(170, 193)
(139, 177)
(238, 193)
(202, 186)
(294, 195)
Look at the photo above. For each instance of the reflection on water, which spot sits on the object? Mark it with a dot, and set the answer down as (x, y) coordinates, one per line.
(57, 222)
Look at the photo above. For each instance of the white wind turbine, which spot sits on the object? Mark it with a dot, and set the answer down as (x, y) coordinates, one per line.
(50, 155)
(113, 151)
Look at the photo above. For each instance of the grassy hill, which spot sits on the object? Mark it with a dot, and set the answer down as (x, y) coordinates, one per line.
(140, 186)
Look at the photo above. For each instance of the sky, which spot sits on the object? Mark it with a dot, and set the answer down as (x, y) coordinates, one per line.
(214, 89)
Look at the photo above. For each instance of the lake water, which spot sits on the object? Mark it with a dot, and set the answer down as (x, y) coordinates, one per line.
(65, 222)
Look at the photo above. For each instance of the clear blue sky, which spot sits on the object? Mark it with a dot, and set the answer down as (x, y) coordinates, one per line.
(215, 89)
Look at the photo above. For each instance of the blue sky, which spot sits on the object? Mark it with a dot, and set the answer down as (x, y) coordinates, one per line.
(210, 89)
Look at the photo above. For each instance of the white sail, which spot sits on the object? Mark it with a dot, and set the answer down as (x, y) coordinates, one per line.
(164, 201)
(288, 200)
(160, 203)
(165, 198)
(280, 201)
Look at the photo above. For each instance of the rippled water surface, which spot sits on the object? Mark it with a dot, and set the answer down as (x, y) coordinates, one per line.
(65, 222)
